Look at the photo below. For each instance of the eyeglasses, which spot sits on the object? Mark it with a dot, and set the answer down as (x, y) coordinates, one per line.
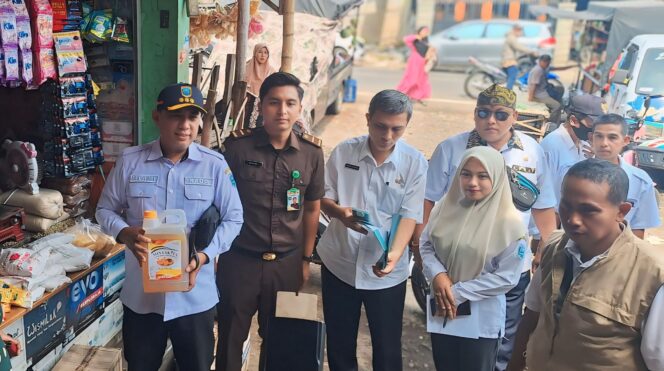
(485, 113)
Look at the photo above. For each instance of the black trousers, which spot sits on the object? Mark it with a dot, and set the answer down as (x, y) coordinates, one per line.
(453, 353)
(248, 284)
(145, 336)
(514, 311)
(342, 305)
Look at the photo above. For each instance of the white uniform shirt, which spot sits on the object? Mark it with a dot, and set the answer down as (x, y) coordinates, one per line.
(652, 336)
(353, 179)
(561, 154)
(486, 292)
(642, 196)
(522, 153)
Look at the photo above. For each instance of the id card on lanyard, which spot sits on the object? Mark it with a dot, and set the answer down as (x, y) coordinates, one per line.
(293, 196)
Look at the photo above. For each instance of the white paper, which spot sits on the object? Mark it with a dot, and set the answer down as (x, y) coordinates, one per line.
(461, 326)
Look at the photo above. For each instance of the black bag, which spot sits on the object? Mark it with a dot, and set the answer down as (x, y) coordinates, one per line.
(524, 192)
(203, 231)
(294, 344)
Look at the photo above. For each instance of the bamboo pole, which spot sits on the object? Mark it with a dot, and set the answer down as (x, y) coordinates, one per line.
(210, 104)
(242, 35)
(288, 13)
(241, 55)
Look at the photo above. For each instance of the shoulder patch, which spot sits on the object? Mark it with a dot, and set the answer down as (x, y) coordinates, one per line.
(241, 133)
(312, 139)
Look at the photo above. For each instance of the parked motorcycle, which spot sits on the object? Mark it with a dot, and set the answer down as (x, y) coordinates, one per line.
(482, 75)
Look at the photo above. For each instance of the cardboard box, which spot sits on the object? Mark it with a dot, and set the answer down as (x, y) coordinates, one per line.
(45, 327)
(117, 131)
(90, 359)
(114, 275)
(86, 300)
(110, 323)
(17, 331)
(113, 149)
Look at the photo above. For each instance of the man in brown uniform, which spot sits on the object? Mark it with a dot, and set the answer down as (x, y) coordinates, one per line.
(280, 178)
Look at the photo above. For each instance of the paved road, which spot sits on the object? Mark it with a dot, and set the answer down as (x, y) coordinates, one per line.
(446, 86)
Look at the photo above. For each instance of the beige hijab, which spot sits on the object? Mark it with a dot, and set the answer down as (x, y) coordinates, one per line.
(256, 72)
(465, 232)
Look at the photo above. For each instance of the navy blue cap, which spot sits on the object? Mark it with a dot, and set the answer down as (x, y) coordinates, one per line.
(178, 96)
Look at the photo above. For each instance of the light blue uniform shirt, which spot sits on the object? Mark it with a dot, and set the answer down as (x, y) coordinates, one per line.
(561, 154)
(642, 196)
(143, 179)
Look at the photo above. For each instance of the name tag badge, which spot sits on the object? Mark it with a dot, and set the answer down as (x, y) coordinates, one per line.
(143, 179)
(254, 163)
(351, 166)
(198, 181)
(293, 199)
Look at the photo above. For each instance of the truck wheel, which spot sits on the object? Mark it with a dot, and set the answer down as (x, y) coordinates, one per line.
(335, 107)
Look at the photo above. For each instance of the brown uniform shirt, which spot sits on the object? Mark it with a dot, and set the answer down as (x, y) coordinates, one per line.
(263, 177)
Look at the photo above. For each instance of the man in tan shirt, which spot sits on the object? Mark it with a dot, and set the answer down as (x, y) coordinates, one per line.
(511, 50)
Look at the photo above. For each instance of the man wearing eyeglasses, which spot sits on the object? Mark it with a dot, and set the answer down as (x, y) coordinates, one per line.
(495, 114)
(569, 144)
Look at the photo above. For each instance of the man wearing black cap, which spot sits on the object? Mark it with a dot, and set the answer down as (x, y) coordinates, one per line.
(569, 144)
(171, 172)
(537, 83)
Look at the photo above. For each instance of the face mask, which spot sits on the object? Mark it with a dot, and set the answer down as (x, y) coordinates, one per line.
(582, 131)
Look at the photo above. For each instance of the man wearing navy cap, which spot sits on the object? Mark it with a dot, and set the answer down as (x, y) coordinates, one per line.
(171, 172)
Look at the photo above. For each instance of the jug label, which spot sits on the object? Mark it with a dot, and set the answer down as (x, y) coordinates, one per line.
(164, 260)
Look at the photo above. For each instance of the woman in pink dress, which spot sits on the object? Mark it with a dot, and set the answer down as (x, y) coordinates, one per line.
(415, 81)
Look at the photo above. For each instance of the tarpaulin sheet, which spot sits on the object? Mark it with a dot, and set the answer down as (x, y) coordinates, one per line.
(330, 9)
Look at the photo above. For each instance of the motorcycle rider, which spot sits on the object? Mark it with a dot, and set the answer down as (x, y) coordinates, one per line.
(537, 84)
(511, 49)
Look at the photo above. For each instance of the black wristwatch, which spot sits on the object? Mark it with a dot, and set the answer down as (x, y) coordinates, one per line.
(309, 258)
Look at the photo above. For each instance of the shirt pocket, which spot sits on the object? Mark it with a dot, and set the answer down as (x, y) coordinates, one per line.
(197, 193)
(142, 196)
(390, 202)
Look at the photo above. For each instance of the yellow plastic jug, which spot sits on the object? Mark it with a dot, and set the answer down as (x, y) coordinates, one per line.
(168, 253)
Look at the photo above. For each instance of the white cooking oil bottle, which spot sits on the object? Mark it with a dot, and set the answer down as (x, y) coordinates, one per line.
(168, 253)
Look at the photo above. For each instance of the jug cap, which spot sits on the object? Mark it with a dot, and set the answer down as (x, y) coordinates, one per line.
(150, 214)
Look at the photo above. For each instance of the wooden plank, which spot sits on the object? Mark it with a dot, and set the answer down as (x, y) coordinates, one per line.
(239, 99)
(210, 104)
(229, 75)
(197, 74)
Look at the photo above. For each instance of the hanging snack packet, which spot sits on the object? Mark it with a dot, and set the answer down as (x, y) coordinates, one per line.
(120, 33)
(44, 65)
(11, 64)
(71, 63)
(100, 26)
(27, 67)
(23, 32)
(2, 66)
(68, 41)
(41, 18)
(8, 26)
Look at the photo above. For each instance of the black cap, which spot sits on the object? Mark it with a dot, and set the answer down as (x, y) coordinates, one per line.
(586, 104)
(178, 96)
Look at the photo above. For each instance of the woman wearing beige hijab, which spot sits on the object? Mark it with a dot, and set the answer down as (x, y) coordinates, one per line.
(258, 68)
(473, 251)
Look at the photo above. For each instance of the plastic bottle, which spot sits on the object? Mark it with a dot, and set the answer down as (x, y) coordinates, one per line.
(168, 253)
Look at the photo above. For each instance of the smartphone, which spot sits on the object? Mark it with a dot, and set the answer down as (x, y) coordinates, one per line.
(434, 306)
(382, 262)
(463, 309)
(361, 216)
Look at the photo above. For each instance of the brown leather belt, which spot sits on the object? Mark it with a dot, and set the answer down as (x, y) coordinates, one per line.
(268, 256)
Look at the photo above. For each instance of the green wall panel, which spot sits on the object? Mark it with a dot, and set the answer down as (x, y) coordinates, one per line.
(163, 55)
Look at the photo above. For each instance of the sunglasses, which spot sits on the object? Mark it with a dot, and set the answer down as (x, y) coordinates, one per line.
(485, 113)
